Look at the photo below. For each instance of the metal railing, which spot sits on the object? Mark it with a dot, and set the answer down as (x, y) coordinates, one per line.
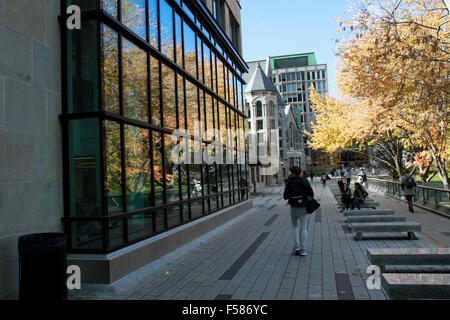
(436, 199)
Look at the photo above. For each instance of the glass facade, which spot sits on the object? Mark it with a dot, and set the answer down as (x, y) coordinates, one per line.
(135, 72)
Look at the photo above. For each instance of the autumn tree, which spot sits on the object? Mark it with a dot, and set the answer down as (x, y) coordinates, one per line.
(393, 74)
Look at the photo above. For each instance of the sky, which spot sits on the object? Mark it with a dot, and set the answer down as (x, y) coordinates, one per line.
(283, 27)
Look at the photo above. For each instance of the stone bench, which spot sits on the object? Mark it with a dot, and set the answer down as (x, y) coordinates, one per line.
(409, 256)
(377, 227)
(369, 205)
(350, 213)
(403, 286)
(372, 218)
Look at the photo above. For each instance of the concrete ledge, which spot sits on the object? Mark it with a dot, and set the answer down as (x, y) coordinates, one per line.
(369, 219)
(416, 286)
(108, 268)
(409, 256)
(349, 213)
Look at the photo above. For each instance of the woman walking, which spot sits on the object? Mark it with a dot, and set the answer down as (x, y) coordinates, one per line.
(296, 192)
(324, 178)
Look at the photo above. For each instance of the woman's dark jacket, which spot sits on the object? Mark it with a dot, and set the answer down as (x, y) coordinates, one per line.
(293, 184)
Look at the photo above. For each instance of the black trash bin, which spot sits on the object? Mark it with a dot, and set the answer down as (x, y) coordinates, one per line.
(42, 267)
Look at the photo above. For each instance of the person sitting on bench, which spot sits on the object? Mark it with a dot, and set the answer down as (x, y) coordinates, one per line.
(358, 196)
(340, 183)
(346, 196)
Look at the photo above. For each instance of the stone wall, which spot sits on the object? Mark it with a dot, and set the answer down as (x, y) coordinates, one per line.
(31, 188)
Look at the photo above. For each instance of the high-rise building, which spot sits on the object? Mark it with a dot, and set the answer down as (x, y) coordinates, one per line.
(86, 117)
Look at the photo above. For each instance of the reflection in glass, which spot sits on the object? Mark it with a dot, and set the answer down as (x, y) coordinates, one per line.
(115, 232)
(190, 58)
(166, 16)
(140, 226)
(191, 106)
(160, 220)
(207, 65)
(137, 146)
(113, 167)
(133, 16)
(172, 172)
(153, 22)
(135, 82)
(83, 68)
(87, 235)
(225, 178)
(200, 59)
(221, 78)
(195, 182)
(156, 101)
(209, 112)
(110, 69)
(226, 200)
(181, 106)
(169, 114)
(184, 181)
(214, 71)
(202, 111)
(173, 216)
(85, 173)
(158, 173)
(185, 208)
(179, 39)
(196, 209)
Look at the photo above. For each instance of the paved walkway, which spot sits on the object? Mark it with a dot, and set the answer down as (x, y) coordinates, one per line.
(251, 258)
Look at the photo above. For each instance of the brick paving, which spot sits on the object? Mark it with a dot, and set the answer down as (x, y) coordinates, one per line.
(251, 257)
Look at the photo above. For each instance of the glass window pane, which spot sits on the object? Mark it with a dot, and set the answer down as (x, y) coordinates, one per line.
(110, 6)
(184, 181)
(169, 114)
(160, 220)
(196, 209)
(200, 59)
(158, 173)
(196, 180)
(133, 16)
(113, 167)
(179, 39)
(138, 168)
(153, 22)
(207, 64)
(166, 16)
(191, 106)
(202, 112)
(225, 178)
(173, 216)
(181, 106)
(84, 163)
(156, 101)
(190, 58)
(209, 112)
(221, 78)
(83, 69)
(110, 68)
(87, 235)
(172, 171)
(140, 226)
(214, 71)
(135, 82)
(115, 232)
